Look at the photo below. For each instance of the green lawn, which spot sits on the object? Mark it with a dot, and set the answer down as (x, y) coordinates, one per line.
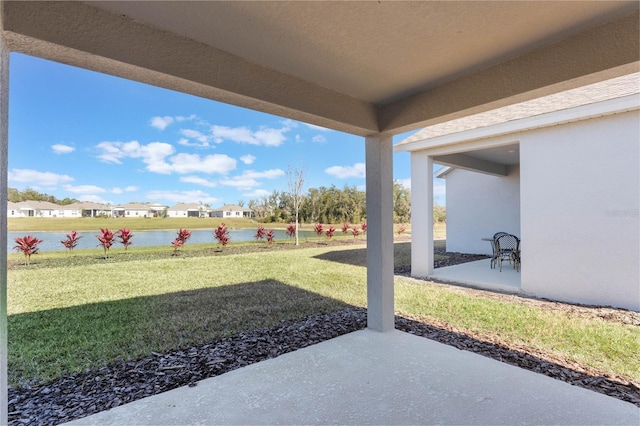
(68, 312)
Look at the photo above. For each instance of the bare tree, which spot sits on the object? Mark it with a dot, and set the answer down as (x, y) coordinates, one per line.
(295, 179)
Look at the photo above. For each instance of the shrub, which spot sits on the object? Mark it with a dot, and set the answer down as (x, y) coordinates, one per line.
(291, 230)
(106, 240)
(346, 227)
(27, 245)
(72, 240)
(270, 236)
(125, 236)
(329, 232)
(401, 229)
(222, 234)
(318, 229)
(181, 239)
(364, 228)
(355, 231)
(260, 233)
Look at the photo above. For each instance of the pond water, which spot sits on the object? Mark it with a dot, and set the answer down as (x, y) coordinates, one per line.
(51, 240)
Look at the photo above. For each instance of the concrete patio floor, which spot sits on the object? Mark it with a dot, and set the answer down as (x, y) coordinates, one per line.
(369, 377)
(480, 275)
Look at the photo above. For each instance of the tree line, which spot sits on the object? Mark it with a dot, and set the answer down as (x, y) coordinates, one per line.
(16, 196)
(332, 205)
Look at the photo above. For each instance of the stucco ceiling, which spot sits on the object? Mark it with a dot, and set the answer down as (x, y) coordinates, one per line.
(360, 67)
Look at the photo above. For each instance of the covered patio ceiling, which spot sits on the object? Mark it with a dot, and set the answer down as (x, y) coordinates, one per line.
(358, 67)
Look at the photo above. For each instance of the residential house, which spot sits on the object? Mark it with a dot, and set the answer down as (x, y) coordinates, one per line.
(560, 172)
(188, 210)
(231, 211)
(139, 210)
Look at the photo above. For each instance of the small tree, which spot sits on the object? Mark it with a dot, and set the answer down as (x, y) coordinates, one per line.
(180, 240)
(125, 236)
(106, 240)
(270, 236)
(27, 245)
(364, 228)
(329, 232)
(296, 187)
(72, 240)
(319, 229)
(222, 234)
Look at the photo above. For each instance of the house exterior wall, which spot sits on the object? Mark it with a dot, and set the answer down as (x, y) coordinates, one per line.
(478, 206)
(580, 190)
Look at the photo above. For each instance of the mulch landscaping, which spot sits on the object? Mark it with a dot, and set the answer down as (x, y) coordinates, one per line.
(82, 394)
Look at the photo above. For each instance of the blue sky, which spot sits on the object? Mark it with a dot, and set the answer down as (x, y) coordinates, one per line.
(94, 137)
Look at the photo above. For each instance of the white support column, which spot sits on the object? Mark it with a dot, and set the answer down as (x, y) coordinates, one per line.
(380, 303)
(421, 214)
(4, 144)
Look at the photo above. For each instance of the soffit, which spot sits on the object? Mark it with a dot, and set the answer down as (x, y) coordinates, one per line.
(374, 51)
(359, 67)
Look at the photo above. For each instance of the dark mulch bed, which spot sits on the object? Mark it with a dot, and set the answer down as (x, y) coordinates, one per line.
(79, 395)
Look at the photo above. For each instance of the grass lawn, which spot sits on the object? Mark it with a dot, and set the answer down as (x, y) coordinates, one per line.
(68, 312)
(31, 224)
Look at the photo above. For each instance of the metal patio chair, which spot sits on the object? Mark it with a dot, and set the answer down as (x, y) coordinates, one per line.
(494, 255)
(508, 248)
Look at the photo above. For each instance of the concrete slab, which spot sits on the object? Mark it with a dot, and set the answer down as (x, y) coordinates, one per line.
(480, 275)
(369, 377)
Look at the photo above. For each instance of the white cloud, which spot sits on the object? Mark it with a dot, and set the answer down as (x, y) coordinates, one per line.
(181, 118)
(198, 181)
(152, 154)
(131, 188)
(46, 179)
(194, 134)
(62, 149)
(193, 163)
(405, 182)
(248, 159)
(84, 189)
(161, 123)
(265, 136)
(344, 172)
(258, 193)
(117, 190)
(249, 179)
(319, 139)
(181, 197)
(314, 127)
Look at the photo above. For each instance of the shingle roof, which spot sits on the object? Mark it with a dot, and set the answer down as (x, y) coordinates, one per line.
(597, 92)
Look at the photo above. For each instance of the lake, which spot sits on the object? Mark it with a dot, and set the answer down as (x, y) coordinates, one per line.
(51, 240)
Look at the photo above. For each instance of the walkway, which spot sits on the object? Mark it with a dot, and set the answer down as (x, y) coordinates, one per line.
(480, 275)
(368, 377)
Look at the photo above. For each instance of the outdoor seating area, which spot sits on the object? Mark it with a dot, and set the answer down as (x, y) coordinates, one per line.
(504, 246)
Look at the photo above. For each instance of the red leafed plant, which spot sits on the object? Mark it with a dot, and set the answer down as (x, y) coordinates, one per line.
(260, 233)
(401, 229)
(27, 245)
(222, 234)
(355, 231)
(319, 229)
(364, 227)
(125, 236)
(270, 236)
(346, 227)
(181, 239)
(106, 240)
(72, 240)
(291, 230)
(329, 232)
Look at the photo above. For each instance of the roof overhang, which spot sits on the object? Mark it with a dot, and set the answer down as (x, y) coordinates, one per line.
(358, 67)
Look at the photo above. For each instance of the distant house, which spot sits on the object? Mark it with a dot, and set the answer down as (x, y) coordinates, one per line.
(230, 211)
(139, 210)
(188, 210)
(88, 209)
(34, 209)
